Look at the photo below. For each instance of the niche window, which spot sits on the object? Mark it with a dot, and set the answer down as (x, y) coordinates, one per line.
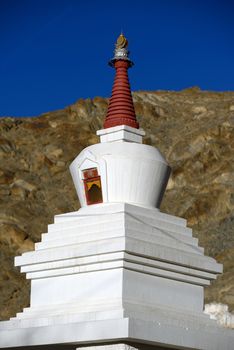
(93, 186)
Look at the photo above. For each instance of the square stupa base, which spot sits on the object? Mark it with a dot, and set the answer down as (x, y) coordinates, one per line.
(181, 332)
(116, 273)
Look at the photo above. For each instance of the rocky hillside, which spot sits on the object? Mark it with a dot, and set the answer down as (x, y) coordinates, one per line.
(193, 129)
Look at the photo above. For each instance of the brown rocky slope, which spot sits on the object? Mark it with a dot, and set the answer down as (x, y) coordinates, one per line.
(195, 131)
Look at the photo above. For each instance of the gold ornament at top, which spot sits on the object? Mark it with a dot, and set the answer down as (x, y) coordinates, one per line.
(121, 42)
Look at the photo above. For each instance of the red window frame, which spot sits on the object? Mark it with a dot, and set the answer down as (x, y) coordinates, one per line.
(91, 175)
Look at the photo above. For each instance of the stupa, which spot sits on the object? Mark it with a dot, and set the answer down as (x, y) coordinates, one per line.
(118, 273)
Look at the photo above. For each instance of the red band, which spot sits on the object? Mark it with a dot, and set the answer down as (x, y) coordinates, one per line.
(121, 109)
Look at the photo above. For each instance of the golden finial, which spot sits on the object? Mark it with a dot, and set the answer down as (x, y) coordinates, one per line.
(121, 42)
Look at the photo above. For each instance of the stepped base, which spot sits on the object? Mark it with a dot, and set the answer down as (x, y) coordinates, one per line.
(117, 273)
(172, 329)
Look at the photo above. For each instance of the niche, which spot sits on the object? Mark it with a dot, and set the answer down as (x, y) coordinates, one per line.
(93, 186)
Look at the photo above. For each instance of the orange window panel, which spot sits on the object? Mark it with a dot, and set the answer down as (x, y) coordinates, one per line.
(93, 186)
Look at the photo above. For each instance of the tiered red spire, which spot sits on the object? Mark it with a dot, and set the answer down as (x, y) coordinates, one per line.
(121, 109)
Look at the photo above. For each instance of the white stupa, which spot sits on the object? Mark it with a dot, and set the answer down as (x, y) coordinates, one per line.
(117, 274)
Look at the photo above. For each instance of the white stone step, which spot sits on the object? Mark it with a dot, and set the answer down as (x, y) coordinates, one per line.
(130, 245)
(89, 260)
(133, 266)
(155, 213)
(161, 224)
(152, 237)
(47, 319)
(81, 228)
(114, 208)
(85, 220)
(183, 234)
(122, 223)
(94, 223)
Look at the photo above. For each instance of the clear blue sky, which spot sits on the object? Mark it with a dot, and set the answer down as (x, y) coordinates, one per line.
(56, 51)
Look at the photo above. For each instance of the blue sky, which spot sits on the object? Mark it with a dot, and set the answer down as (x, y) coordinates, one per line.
(54, 52)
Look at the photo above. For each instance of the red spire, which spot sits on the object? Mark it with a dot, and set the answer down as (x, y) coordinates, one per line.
(121, 109)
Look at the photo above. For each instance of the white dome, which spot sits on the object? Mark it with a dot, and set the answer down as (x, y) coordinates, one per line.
(129, 172)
